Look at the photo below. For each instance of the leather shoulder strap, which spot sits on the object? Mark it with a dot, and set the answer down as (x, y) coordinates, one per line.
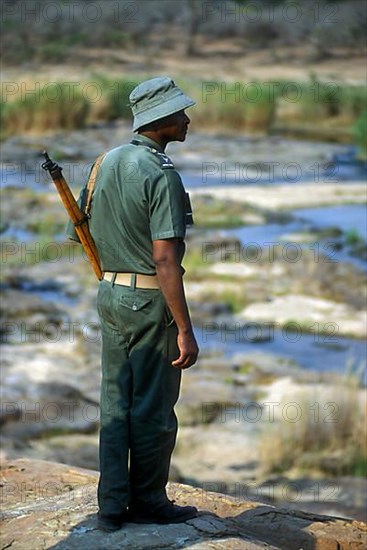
(91, 183)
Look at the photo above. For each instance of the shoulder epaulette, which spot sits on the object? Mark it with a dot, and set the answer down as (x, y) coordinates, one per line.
(165, 161)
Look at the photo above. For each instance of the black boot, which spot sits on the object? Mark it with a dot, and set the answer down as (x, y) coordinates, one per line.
(111, 522)
(162, 514)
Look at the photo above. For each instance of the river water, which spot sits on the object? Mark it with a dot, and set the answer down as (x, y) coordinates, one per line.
(348, 217)
(310, 351)
(315, 351)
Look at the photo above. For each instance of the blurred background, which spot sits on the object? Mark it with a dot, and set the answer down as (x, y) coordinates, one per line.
(275, 163)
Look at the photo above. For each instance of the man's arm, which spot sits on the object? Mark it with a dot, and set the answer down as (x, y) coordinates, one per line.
(167, 256)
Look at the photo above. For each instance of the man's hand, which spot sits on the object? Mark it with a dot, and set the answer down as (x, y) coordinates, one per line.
(189, 351)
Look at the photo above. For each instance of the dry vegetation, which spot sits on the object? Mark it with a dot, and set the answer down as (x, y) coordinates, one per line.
(324, 431)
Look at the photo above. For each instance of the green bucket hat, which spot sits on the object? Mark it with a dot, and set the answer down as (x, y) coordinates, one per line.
(156, 98)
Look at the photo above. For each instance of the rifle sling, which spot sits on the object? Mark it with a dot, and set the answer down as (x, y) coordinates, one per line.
(91, 184)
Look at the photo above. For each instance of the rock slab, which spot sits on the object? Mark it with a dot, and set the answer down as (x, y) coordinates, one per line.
(53, 506)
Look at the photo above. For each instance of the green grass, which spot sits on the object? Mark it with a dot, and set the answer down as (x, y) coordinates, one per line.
(211, 213)
(360, 134)
(46, 226)
(193, 261)
(232, 298)
(353, 238)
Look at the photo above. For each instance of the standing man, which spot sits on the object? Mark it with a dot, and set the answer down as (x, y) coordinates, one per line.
(138, 221)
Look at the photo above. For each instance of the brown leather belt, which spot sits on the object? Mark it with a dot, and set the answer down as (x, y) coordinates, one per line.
(127, 279)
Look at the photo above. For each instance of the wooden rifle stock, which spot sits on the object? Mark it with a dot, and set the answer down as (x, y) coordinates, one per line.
(79, 219)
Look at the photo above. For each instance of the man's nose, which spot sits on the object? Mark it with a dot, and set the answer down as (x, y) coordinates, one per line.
(187, 120)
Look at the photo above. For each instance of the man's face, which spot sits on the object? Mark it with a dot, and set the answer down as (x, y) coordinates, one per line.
(174, 127)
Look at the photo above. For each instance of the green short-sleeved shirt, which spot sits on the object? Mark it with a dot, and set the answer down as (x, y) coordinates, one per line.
(139, 197)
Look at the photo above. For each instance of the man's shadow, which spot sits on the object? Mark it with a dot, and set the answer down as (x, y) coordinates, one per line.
(263, 525)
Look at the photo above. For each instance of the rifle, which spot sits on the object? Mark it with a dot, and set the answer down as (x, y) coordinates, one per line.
(79, 218)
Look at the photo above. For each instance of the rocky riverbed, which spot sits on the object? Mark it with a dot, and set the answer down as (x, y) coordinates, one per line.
(51, 337)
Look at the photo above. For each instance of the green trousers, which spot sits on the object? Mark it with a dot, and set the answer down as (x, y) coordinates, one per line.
(138, 393)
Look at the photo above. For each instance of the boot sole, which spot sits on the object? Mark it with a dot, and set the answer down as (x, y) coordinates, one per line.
(160, 520)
